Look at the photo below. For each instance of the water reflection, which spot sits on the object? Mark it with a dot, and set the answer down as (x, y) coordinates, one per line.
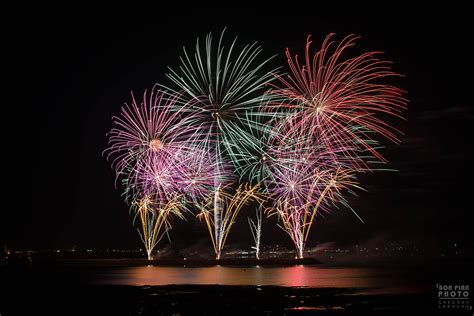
(294, 276)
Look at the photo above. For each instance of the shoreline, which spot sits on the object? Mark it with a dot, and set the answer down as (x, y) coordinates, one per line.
(124, 262)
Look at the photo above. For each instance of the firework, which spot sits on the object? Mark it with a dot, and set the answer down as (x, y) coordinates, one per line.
(154, 218)
(222, 84)
(149, 147)
(311, 192)
(201, 170)
(231, 205)
(337, 101)
(157, 177)
(252, 154)
(256, 229)
(299, 140)
(251, 151)
(155, 126)
(223, 89)
(331, 111)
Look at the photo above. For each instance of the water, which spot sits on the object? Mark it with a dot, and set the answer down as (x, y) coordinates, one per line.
(388, 280)
(225, 290)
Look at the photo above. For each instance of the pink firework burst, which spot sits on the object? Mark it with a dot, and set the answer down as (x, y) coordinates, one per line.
(153, 126)
(201, 170)
(155, 176)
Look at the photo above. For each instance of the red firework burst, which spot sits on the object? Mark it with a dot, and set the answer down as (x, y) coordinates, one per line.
(339, 102)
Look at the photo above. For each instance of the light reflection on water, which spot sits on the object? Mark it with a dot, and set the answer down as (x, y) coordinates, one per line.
(308, 276)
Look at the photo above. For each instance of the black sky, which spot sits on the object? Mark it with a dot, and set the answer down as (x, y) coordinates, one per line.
(71, 72)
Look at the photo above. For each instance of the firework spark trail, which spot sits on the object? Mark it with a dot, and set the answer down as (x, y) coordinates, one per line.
(256, 229)
(155, 219)
(231, 206)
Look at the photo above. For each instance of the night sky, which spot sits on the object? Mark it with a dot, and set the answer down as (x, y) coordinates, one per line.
(71, 72)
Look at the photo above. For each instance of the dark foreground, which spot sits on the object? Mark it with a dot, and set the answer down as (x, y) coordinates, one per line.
(205, 300)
